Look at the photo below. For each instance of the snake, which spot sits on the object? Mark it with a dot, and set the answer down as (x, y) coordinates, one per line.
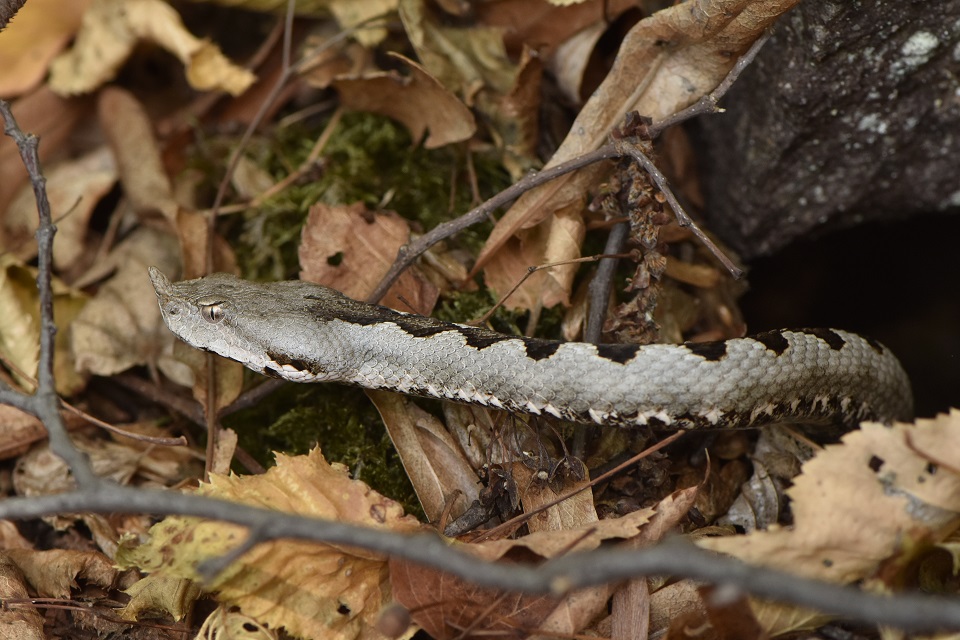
(305, 332)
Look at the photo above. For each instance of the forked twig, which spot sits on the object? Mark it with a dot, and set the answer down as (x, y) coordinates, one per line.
(409, 253)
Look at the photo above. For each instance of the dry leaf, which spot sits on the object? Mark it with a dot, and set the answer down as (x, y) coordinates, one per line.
(50, 118)
(311, 590)
(121, 326)
(432, 459)
(231, 625)
(159, 592)
(882, 493)
(41, 30)
(20, 331)
(666, 62)
(360, 14)
(445, 605)
(350, 249)
(55, 572)
(112, 28)
(576, 512)
(418, 101)
(74, 188)
(20, 623)
(130, 134)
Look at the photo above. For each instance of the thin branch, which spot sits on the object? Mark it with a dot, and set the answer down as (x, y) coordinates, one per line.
(675, 557)
(602, 283)
(44, 401)
(409, 253)
(710, 103)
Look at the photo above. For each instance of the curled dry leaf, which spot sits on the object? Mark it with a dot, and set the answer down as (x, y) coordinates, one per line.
(881, 495)
(311, 590)
(112, 28)
(158, 592)
(349, 248)
(418, 101)
(55, 572)
(433, 460)
(666, 62)
(74, 189)
(129, 133)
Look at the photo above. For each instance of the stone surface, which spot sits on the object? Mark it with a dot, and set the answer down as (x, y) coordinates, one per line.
(850, 114)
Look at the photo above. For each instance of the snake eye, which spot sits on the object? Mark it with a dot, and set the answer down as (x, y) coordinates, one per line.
(212, 313)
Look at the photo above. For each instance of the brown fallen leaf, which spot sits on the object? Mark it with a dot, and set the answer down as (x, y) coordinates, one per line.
(23, 622)
(418, 101)
(881, 496)
(74, 189)
(55, 572)
(350, 248)
(49, 117)
(311, 590)
(160, 592)
(121, 326)
(444, 605)
(538, 495)
(433, 460)
(112, 28)
(666, 62)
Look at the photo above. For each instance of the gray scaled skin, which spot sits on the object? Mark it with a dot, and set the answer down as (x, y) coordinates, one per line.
(309, 333)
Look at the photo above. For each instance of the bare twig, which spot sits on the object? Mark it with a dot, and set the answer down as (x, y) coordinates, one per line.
(158, 440)
(409, 253)
(602, 283)
(44, 403)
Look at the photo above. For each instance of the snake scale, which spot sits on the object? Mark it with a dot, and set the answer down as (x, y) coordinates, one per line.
(309, 333)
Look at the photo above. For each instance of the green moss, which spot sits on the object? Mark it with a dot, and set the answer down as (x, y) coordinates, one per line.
(341, 420)
(467, 306)
(368, 159)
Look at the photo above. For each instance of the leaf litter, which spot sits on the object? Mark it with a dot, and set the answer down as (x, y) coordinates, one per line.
(876, 509)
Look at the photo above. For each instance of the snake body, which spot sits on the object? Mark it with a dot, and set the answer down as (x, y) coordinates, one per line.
(309, 333)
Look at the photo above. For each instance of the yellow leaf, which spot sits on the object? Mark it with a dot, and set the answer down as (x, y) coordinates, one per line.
(20, 329)
(312, 590)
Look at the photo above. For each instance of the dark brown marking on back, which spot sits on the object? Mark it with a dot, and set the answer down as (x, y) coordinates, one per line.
(621, 353)
(773, 340)
(833, 339)
(481, 338)
(876, 346)
(712, 351)
(538, 349)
